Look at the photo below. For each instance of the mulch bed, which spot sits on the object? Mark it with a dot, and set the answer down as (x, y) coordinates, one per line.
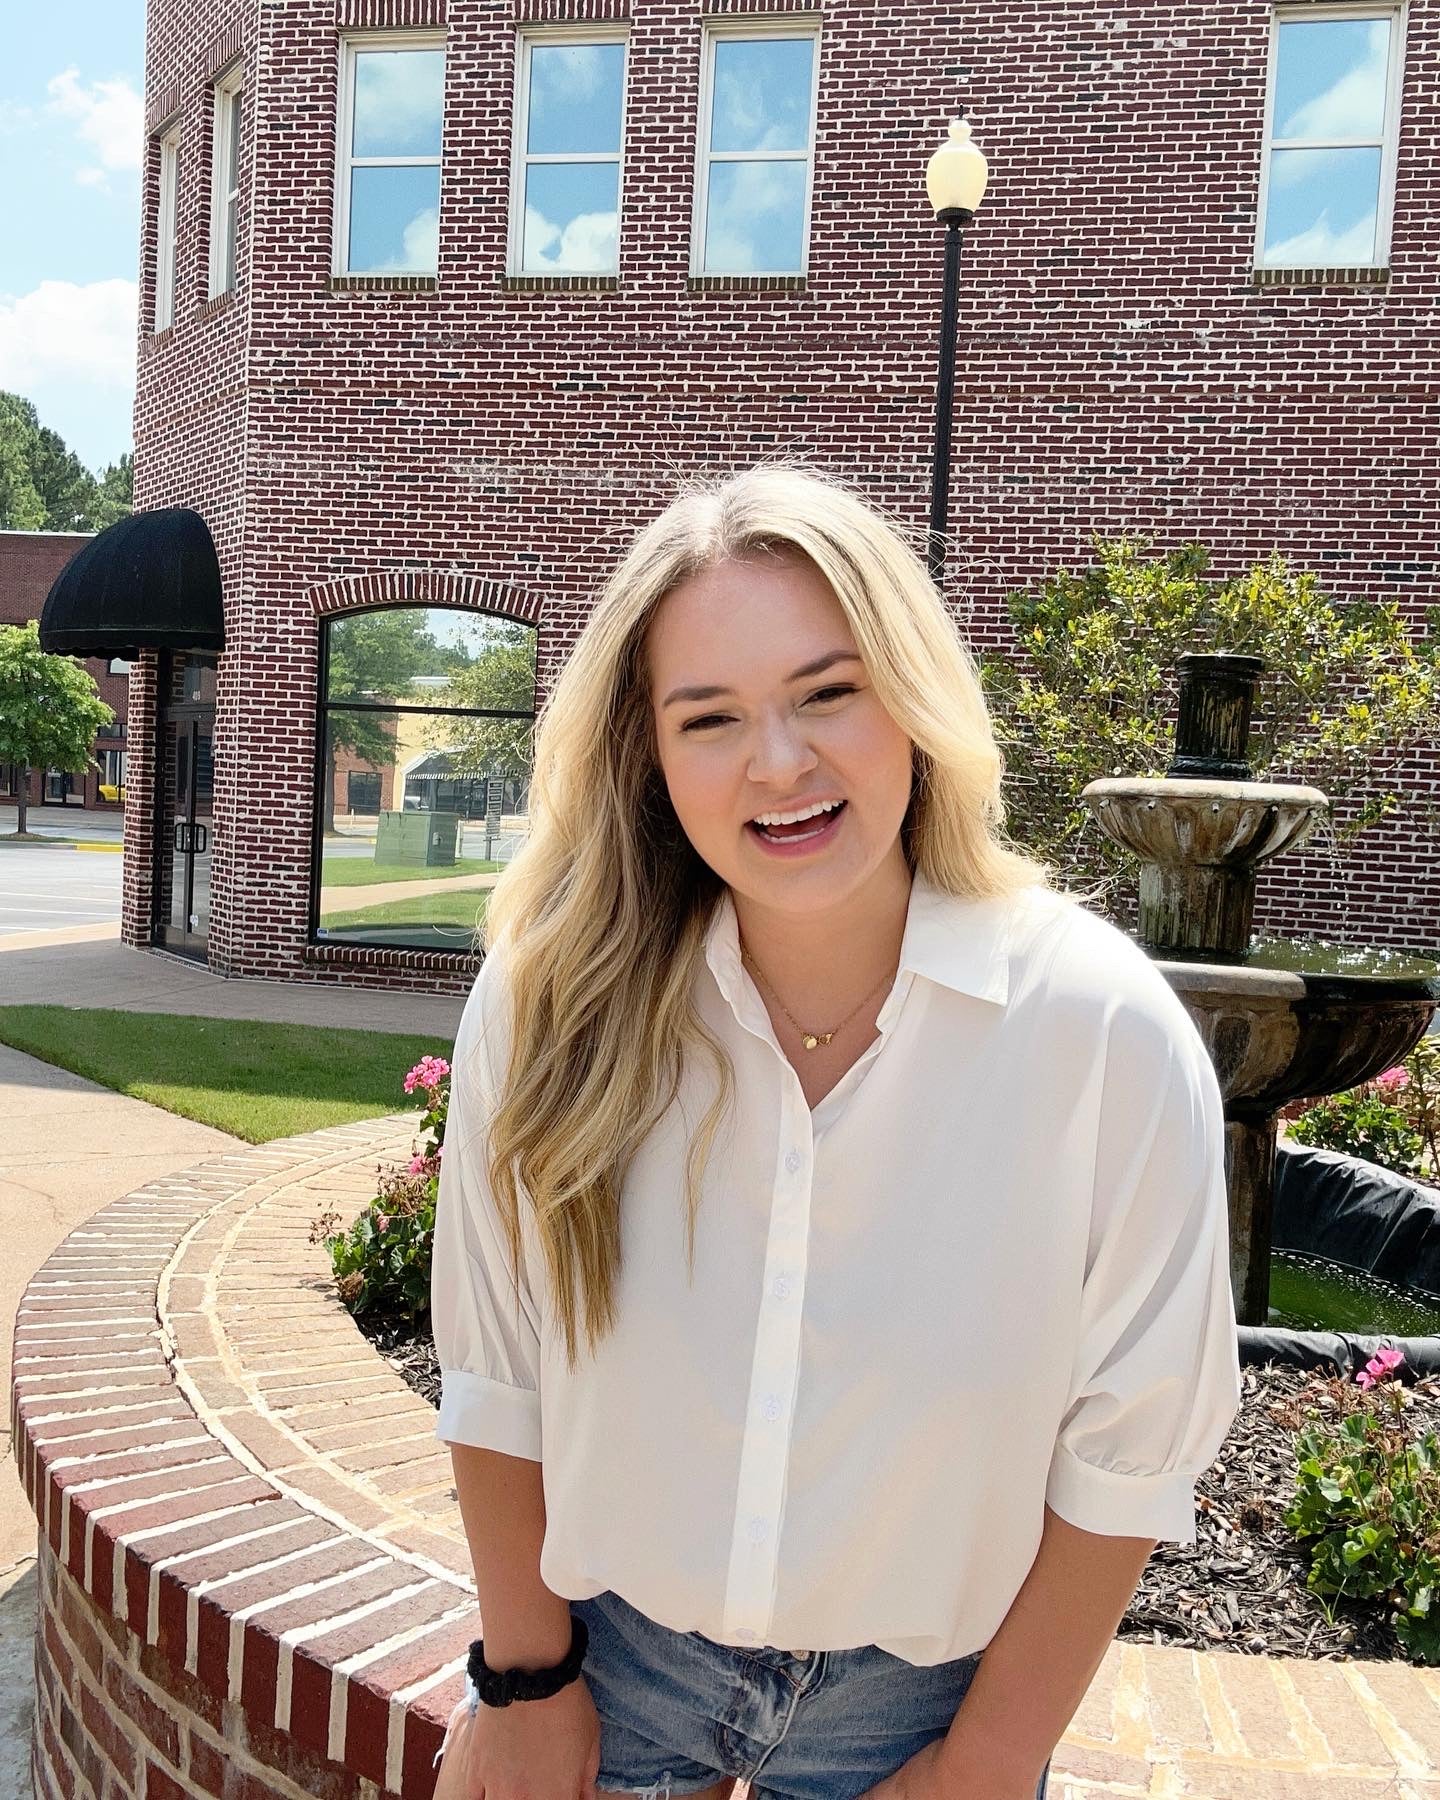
(1241, 1585)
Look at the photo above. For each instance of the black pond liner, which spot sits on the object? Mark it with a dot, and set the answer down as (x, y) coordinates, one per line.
(1365, 1218)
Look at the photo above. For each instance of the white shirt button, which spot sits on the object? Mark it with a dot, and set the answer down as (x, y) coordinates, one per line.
(770, 1406)
(757, 1529)
(793, 1159)
(782, 1287)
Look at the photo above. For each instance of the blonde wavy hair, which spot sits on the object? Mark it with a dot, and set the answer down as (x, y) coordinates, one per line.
(603, 913)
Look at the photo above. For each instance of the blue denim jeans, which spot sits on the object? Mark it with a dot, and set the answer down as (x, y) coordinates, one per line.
(679, 1712)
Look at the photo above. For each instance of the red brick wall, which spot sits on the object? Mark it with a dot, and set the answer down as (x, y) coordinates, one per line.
(1118, 366)
(29, 563)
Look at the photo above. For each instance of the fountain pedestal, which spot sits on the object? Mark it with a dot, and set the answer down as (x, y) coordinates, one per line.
(1282, 1020)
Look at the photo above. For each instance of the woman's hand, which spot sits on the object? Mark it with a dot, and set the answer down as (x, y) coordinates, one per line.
(929, 1775)
(549, 1748)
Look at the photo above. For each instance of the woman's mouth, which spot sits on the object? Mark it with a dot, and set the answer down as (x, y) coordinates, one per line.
(801, 838)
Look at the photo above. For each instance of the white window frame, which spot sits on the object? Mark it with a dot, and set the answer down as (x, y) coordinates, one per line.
(796, 25)
(351, 45)
(166, 235)
(224, 200)
(1387, 142)
(520, 159)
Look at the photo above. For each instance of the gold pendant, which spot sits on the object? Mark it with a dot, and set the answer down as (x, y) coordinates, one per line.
(810, 1040)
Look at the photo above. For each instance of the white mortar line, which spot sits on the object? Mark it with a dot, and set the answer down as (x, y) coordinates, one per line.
(303, 1592)
(399, 1703)
(342, 1671)
(298, 1634)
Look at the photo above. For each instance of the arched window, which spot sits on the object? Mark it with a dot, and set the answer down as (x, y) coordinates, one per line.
(426, 724)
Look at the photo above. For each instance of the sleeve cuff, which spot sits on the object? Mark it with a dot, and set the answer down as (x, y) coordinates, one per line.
(493, 1415)
(1114, 1504)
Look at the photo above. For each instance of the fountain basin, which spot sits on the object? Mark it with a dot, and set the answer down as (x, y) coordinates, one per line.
(1170, 820)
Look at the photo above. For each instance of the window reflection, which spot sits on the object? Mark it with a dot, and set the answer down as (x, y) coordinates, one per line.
(757, 167)
(569, 184)
(393, 166)
(421, 808)
(1326, 173)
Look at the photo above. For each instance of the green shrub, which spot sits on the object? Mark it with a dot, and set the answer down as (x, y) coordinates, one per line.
(1390, 1120)
(1090, 689)
(1369, 1497)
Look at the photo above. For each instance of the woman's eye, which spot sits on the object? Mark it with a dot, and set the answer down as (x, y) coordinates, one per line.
(829, 693)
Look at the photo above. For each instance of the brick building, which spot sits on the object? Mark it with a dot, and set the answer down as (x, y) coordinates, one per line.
(29, 563)
(437, 294)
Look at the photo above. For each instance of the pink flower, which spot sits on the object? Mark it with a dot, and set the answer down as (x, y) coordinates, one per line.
(1393, 1079)
(417, 1163)
(429, 1072)
(1379, 1366)
(382, 1221)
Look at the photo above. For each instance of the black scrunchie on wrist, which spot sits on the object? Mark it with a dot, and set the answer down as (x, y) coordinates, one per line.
(498, 1687)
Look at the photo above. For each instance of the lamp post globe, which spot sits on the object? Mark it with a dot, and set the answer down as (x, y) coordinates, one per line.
(955, 179)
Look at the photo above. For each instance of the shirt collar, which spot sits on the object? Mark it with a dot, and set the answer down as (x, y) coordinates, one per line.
(957, 940)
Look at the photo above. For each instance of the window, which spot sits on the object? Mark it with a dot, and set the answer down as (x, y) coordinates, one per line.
(112, 774)
(225, 181)
(757, 132)
(387, 205)
(565, 175)
(165, 233)
(425, 738)
(1328, 173)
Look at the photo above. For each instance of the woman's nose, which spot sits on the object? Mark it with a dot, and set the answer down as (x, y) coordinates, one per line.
(781, 753)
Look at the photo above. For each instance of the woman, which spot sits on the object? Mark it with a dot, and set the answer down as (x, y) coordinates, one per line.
(850, 1497)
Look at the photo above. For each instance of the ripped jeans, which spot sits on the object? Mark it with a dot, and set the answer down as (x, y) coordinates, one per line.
(679, 1712)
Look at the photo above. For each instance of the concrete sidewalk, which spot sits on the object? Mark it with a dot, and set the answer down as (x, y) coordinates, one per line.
(67, 1148)
(65, 968)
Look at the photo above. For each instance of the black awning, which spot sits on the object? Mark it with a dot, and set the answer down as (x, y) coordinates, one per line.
(149, 581)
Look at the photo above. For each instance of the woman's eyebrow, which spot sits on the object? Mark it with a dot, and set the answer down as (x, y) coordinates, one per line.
(820, 664)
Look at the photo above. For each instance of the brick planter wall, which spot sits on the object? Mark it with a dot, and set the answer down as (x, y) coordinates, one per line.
(254, 1580)
(253, 1576)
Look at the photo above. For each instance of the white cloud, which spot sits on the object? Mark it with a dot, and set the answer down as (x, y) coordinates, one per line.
(109, 120)
(567, 74)
(1354, 103)
(1324, 245)
(586, 242)
(15, 116)
(422, 240)
(68, 331)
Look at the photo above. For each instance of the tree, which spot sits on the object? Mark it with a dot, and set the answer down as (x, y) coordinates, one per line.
(501, 677)
(1345, 693)
(372, 656)
(50, 709)
(45, 487)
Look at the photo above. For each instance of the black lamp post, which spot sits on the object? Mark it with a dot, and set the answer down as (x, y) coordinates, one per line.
(955, 181)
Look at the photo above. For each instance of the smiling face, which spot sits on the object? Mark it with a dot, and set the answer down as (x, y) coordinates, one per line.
(763, 707)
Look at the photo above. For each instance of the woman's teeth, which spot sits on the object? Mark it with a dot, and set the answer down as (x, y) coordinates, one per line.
(795, 828)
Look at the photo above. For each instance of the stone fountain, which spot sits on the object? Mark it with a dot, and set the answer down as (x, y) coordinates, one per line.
(1282, 1018)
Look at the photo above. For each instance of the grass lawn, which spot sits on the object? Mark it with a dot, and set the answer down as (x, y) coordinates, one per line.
(253, 1079)
(358, 871)
(463, 909)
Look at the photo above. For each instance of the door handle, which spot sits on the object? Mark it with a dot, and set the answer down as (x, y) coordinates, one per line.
(202, 839)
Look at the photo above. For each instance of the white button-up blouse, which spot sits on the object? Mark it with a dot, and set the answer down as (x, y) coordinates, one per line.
(990, 1270)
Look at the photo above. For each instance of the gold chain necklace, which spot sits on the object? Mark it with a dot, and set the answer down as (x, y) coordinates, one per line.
(812, 1039)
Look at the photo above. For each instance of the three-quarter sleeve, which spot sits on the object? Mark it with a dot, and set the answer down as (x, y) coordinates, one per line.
(487, 1334)
(1155, 1383)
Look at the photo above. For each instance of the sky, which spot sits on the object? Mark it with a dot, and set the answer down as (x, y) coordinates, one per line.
(71, 134)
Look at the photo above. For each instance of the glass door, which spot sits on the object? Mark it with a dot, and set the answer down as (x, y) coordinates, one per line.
(185, 823)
